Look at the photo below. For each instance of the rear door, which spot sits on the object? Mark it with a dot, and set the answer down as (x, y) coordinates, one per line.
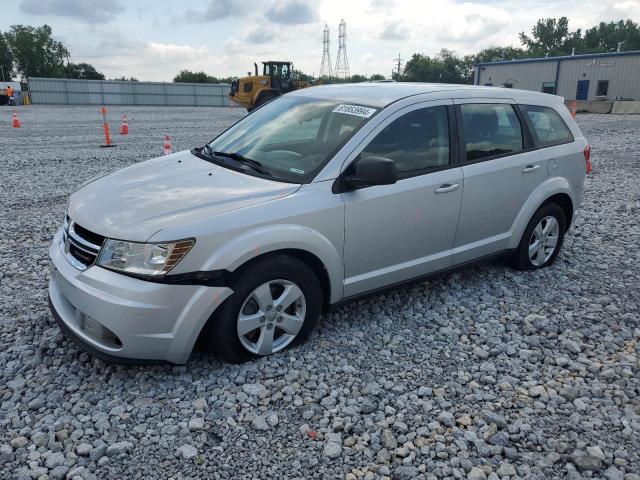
(501, 168)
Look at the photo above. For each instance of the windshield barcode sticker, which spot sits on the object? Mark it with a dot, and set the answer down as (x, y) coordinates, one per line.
(297, 170)
(357, 110)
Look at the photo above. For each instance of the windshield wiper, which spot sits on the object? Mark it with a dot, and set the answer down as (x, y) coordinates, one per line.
(207, 150)
(254, 164)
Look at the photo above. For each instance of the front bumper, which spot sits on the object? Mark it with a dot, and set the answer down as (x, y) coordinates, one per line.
(149, 321)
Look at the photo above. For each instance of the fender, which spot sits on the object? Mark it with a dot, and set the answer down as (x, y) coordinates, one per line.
(236, 252)
(548, 188)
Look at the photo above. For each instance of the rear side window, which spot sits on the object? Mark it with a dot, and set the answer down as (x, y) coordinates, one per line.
(490, 130)
(547, 126)
(416, 141)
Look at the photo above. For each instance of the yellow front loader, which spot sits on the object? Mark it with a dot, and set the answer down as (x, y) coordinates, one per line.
(254, 90)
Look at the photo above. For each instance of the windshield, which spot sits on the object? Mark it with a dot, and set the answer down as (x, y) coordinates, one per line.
(293, 137)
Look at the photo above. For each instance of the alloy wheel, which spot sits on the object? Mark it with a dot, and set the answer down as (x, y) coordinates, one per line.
(544, 240)
(271, 316)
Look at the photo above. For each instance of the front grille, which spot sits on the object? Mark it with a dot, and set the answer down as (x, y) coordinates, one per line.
(81, 246)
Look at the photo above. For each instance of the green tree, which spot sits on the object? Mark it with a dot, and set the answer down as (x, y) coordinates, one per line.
(376, 76)
(606, 36)
(300, 75)
(124, 79)
(35, 52)
(446, 67)
(6, 59)
(550, 36)
(83, 71)
(357, 78)
(186, 76)
(490, 54)
(498, 54)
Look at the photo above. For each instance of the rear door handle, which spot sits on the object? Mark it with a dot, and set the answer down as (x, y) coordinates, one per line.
(530, 168)
(447, 187)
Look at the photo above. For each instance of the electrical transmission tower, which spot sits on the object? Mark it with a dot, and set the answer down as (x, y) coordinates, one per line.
(325, 66)
(342, 64)
(398, 62)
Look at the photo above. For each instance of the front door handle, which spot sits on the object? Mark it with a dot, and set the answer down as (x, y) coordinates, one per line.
(530, 168)
(447, 187)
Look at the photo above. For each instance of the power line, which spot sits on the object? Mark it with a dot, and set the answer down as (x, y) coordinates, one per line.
(342, 64)
(325, 66)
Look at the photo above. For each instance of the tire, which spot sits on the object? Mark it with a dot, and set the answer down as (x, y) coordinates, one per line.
(544, 218)
(258, 289)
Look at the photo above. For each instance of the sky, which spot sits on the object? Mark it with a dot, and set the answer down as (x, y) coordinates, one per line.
(154, 40)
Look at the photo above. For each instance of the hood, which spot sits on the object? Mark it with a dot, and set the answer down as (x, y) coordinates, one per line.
(138, 201)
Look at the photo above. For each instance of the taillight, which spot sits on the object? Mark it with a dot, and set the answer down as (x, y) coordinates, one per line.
(587, 158)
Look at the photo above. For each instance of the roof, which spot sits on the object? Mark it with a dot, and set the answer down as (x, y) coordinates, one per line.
(376, 94)
(564, 57)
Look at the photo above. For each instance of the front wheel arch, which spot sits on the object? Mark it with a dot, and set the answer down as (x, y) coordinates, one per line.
(308, 258)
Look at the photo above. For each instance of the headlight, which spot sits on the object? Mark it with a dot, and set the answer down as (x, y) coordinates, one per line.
(152, 259)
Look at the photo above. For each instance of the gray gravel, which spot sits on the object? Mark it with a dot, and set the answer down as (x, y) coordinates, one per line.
(483, 374)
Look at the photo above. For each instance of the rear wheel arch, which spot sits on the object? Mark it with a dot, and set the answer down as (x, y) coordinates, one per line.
(266, 96)
(564, 201)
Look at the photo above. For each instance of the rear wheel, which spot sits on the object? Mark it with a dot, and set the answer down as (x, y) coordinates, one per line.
(275, 304)
(542, 239)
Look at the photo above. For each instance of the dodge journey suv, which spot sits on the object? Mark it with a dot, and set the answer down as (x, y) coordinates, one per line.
(316, 198)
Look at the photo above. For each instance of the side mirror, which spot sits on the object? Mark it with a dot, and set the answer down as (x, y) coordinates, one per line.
(366, 172)
(370, 171)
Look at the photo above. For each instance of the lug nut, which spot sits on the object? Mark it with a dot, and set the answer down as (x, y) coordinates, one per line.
(269, 326)
(263, 318)
(279, 319)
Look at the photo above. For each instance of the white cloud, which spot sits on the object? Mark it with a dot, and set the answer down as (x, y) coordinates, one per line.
(168, 51)
(91, 11)
(292, 12)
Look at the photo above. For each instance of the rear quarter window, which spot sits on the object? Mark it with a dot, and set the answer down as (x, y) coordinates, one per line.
(547, 126)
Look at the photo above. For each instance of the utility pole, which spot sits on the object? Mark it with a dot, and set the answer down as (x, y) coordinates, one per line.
(2, 68)
(68, 69)
(398, 65)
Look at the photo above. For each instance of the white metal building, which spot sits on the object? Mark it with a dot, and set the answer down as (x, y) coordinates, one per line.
(597, 76)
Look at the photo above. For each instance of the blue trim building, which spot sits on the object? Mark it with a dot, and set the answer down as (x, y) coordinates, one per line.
(594, 76)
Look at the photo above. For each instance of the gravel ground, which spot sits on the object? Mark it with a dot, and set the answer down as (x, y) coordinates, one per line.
(486, 373)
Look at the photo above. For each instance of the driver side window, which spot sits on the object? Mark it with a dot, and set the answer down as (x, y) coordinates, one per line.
(418, 141)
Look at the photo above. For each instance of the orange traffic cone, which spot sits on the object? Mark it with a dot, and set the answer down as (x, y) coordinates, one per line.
(166, 145)
(16, 121)
(573, 108)
(124, 128)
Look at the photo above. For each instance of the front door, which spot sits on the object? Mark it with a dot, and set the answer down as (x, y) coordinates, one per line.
(400, 231)
(582, 90)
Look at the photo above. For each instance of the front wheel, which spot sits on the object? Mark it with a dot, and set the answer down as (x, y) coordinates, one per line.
(542, 239)
(275, 304)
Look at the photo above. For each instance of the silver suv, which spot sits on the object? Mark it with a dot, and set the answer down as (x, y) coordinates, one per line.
(318, 197)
